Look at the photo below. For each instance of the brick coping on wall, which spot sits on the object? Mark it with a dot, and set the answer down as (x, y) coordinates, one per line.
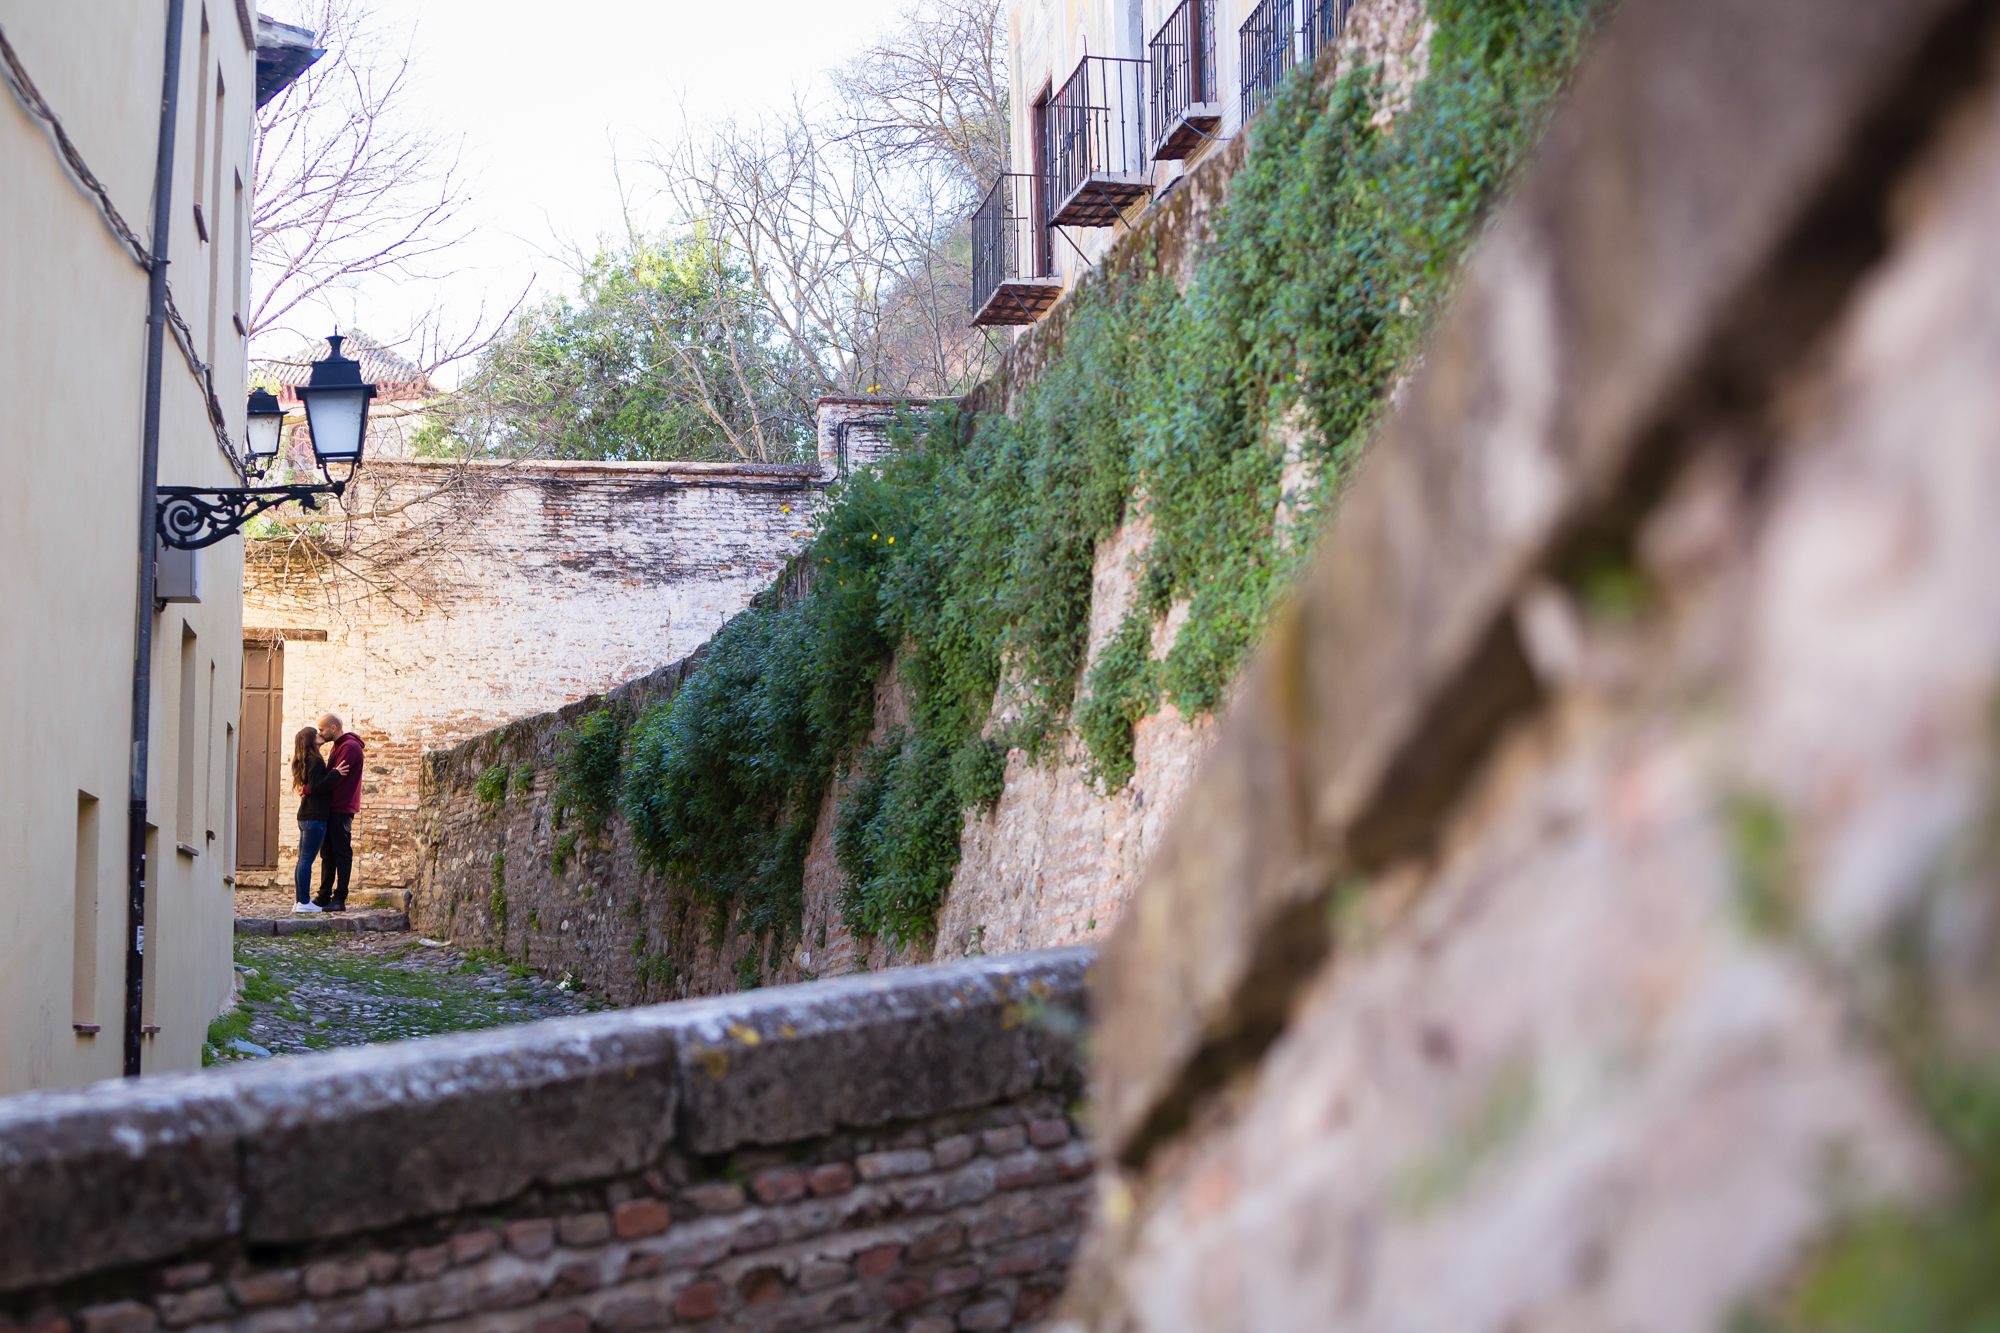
(545, 466)
(104, 1184)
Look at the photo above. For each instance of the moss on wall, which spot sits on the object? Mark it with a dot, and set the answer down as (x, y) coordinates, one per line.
(969, 555)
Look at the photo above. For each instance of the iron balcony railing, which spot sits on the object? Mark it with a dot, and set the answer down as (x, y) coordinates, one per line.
(1096, 149)
(1324, 21)
(1185, 107)
(1013, 270)
(1267, 49)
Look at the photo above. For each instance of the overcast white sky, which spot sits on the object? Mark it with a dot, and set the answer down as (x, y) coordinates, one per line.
(540, 93)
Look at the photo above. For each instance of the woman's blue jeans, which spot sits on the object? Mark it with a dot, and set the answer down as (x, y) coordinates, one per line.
(312, 832)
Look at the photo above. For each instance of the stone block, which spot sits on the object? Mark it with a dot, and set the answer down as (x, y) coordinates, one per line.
(986, 1315)
(820, 1274)
(953, 1152)
(334, 1278)
(259, 1289)
(755, 1233)
(364, 1313)
(964, 1277)
(761, 1286)
(631, 1314)
(1007, 1139)
(1075, 1161)
(698, 1300)
(973, 1184)
(642, 1264)
(1048, 1133)
(469, 1247)
(427, 1262)
(834, 1178)
(1015, 1260)
(1034, 1301)
(779, 1186)
(383, 1265)
(116, 1175)
(506, 1291)
(182, 1276)
(1021, 1169)
(574, 1278)
(716, 1197)
(903, 1292)
(789, 1063)
(179, 1309)
(640, 1217)
(530, 1238)
(933, 1242)
(423, 1302)
(249, 925)
(884, 1165)
(118, 1317)
(583, 1229)
(877, 1260)
(571, 1100)
(570, 1321)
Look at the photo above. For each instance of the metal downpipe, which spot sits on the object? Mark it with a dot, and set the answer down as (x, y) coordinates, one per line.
(149, 477)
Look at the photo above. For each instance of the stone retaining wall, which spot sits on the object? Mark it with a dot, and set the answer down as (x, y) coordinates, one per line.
(883, 1152)
(1597, 875)
(468, 595)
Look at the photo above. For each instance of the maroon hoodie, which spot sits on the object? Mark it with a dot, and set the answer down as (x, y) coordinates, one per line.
(345, 797)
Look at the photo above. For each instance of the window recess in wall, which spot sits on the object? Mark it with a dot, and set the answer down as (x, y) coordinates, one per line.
(1267, 50)
(1270, 44)
(1098, 163)
(1185, 108)
(1013, 280)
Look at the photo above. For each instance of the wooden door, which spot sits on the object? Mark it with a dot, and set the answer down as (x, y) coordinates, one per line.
(1041, 127)
(259, 788)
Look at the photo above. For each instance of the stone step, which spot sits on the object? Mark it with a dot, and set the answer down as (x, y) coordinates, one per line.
(327, 923)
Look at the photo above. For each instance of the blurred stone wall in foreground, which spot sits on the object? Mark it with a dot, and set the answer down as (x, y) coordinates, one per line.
(890, 1151)
(1595, 882)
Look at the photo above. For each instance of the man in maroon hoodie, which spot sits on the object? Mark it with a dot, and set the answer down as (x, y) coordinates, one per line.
(336, 858)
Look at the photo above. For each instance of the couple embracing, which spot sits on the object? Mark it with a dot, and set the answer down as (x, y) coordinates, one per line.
(329, 792)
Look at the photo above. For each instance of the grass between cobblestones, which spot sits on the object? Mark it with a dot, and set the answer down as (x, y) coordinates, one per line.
(311, 993)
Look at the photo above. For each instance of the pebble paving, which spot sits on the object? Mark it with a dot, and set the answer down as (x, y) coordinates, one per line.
(313, 992)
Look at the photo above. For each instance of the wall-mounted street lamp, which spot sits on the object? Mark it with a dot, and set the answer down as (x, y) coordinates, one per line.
(336, 404)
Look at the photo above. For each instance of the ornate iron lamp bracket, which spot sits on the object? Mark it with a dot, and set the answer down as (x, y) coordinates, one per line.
(191, 518)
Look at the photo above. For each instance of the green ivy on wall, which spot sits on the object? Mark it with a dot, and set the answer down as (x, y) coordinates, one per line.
(967, 558)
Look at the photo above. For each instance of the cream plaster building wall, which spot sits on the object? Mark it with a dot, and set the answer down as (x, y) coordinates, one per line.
(73, 305)
(470, 596)
(1046, 39)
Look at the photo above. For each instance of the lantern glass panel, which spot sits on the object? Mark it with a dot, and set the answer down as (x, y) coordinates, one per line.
(261, 434)
(336, 417)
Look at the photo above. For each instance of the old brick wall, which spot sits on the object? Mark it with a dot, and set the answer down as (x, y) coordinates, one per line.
(1594, 878)
(868, 1154)
(462, 597)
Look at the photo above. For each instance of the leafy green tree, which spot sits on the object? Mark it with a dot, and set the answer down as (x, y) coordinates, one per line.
(664, 353)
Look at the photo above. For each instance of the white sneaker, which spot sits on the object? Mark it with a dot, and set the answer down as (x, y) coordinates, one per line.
(304, 909)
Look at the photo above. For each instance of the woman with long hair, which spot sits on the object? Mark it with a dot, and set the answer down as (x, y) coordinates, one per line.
(311, 780)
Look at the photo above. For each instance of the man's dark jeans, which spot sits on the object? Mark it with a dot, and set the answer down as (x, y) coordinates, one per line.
(336, 860)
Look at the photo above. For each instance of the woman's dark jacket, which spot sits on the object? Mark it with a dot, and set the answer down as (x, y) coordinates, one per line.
(319, 781)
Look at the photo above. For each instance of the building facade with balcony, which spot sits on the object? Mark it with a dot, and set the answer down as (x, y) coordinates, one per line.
(1112, 104)
(81, 139)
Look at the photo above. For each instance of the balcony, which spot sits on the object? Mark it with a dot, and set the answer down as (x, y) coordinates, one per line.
(1095, 143)
(1013, 271)
(1266, 51)
(1325, 20)
(1185, 109)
